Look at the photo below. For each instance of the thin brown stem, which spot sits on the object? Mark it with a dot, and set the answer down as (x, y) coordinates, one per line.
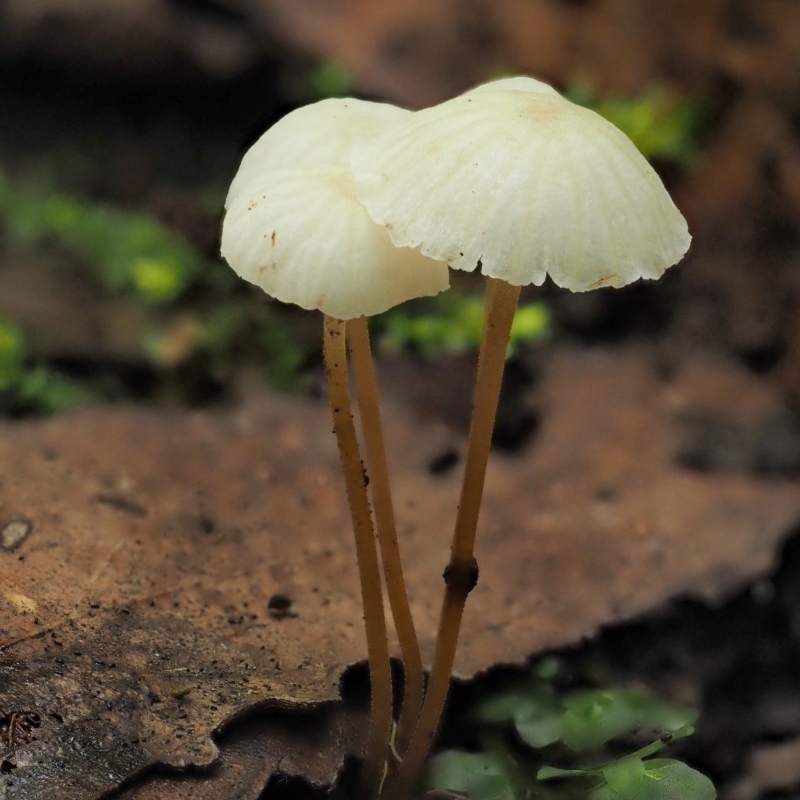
(369, 409)
(380, 676)
(461, 574)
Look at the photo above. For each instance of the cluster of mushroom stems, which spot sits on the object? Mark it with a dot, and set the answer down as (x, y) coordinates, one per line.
(351, 207)
(411, 737)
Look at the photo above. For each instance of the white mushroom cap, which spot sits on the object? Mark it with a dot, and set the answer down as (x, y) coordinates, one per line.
(295, 228)
(319, 133)
(520, 83)
(516, 180)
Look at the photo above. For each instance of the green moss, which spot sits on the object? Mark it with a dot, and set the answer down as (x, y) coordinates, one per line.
(194, 316)
(453, 322)
(12, 355)
(127, 251)
(30, 388)
(664, 125)
(330, 79)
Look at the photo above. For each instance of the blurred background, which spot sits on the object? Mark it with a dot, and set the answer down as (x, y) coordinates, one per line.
(123, 121)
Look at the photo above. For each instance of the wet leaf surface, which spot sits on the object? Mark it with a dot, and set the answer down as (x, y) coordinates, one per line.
(183, 568)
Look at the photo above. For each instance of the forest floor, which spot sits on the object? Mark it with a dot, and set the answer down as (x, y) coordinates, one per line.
(642, 516)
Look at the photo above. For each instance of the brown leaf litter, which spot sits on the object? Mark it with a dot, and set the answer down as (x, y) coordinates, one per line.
(179, 570)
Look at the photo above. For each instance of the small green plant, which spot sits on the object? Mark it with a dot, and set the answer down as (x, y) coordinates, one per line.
(127, 251)
(662, 124)
(139, 263)
(452, 322)
(330, 79)
(536, 742)
(33, 388)
(12, 355)
(220, 338)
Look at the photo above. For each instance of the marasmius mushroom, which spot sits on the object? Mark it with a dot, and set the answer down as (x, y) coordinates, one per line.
(294, 227)
(514, 180)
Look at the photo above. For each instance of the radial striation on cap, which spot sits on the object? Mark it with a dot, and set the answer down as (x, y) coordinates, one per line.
(295, 228)
(515, 180)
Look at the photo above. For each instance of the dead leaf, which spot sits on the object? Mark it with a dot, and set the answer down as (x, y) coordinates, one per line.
(159, 540)
(271, 744)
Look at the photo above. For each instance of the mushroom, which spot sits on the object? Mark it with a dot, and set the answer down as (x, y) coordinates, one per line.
(514, 180)
(294, 227)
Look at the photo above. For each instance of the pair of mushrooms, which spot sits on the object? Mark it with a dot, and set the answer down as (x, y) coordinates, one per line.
(351, 207)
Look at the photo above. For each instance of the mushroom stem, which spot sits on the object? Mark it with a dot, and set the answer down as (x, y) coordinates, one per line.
(369, 410)
(461, 574)
(380, 676)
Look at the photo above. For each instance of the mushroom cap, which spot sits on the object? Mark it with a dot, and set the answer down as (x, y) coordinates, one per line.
(516, 180)
(295, 228)
(320, 133)
(520, 83)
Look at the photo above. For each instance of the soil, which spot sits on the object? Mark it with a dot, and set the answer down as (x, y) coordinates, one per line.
(151, 109)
